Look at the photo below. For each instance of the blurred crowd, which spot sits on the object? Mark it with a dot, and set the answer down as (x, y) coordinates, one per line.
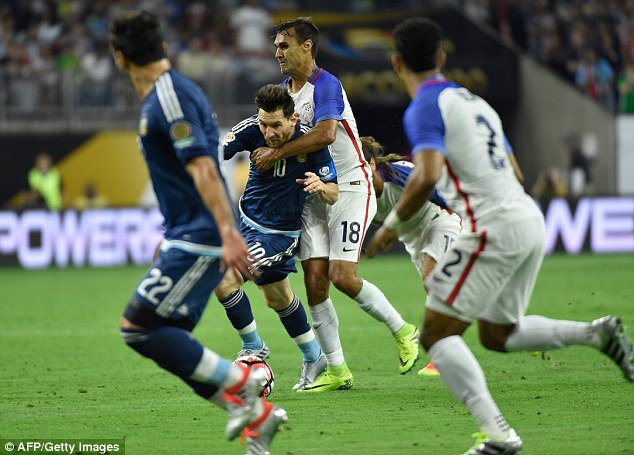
(590, 43)
(49, 46)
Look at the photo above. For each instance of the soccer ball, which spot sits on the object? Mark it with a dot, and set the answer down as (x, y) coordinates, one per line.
(256, 362)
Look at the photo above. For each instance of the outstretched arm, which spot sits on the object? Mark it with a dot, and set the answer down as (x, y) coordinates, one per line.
(320, 136)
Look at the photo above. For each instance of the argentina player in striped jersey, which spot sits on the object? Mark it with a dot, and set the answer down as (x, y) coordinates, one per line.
(270, 221)
(178, 136)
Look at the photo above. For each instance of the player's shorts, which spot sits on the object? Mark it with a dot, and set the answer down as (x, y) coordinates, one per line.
(489, 276)
(176, 288)
(274, 252)
(336, 231)
(437, 236)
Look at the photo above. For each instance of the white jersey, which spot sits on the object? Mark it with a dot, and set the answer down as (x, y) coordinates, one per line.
(323, 98)
(430, 230)
(478, 181)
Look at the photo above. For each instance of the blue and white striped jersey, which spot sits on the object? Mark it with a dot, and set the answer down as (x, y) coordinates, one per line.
(273, 200)
(177, 124)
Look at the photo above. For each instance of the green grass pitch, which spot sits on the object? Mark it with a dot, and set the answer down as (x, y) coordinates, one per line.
(66, 374)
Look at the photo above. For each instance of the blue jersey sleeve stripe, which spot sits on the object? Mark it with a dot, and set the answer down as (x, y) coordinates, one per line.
(429, 146)
(168, 99)
(329, 117)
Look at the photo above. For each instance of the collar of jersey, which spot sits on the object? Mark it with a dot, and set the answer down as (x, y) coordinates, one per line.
(436, 79)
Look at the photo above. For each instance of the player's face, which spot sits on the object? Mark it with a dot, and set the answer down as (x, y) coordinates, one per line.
(290, 53)
(275, 127)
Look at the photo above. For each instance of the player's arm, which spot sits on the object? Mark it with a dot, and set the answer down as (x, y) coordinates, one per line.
(209, 184)
(419, 188)
(320, 136)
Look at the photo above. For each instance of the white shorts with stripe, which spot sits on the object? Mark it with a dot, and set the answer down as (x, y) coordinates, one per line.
(437, 235)
(489, 275)
(336, 231)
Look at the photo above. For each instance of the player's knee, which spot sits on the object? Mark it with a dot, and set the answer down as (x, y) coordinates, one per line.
(316, 288)
(346, 282)
(493, 337)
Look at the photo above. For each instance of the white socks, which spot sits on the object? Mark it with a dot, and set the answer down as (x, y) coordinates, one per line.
(537, 333)
(326, 327)
(462, 373)
(373, 301)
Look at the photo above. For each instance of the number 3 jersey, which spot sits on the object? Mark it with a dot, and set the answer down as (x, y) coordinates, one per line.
(273, 201)
(477, 181)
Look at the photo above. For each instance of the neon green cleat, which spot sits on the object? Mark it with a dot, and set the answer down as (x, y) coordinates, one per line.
(334, 378)
(486, 446)
(428, 371)
(407, 345)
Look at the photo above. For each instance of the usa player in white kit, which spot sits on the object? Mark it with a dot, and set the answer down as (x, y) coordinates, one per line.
(458, 146)
(429, 233)
(332, 236)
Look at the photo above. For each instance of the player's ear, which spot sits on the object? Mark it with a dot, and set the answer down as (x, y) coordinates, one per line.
(294, 119)
(396, 63)
(308, 45)
(119, 60)
(442, 59)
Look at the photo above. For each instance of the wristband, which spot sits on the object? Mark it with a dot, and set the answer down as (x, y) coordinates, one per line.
(393, 221)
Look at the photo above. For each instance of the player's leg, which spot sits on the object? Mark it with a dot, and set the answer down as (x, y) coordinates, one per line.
(280, 297)
(539, 333)
(238, 309)
(348, 222)
(439, 233)
(326, 327)
(465, 281)
(313, 255)
(157, 323)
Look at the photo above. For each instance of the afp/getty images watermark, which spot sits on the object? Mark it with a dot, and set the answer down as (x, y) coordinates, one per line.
(63, 446)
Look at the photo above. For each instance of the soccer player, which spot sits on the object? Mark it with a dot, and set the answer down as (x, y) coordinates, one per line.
(270, 221)
(458, 147)
(429, 233)
(178, 136)
(332, 235)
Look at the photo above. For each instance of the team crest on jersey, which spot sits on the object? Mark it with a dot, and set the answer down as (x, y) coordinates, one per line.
(301, 158)
(324, 171)
(181, 134)
(229, 137)
(143, 126)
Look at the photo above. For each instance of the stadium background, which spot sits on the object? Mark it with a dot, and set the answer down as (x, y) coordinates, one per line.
(61, 95)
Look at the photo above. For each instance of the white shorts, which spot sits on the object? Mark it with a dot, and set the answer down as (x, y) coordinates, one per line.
(336, 231)
(490, 275)
(436, 237)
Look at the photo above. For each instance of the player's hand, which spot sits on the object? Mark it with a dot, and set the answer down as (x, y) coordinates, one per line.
(264, 158)
(382, 240)
(235, 254)
(312, 183)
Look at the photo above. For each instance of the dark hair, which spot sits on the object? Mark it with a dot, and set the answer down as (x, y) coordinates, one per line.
(271, 97)
(373, 149)
(137, 35)
(418, 41)
(302, 29)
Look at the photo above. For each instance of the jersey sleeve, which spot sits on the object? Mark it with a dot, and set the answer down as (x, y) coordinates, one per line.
(328, 97)
(424, 125)
(187, 131)
(324, 166)
(241, 137)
